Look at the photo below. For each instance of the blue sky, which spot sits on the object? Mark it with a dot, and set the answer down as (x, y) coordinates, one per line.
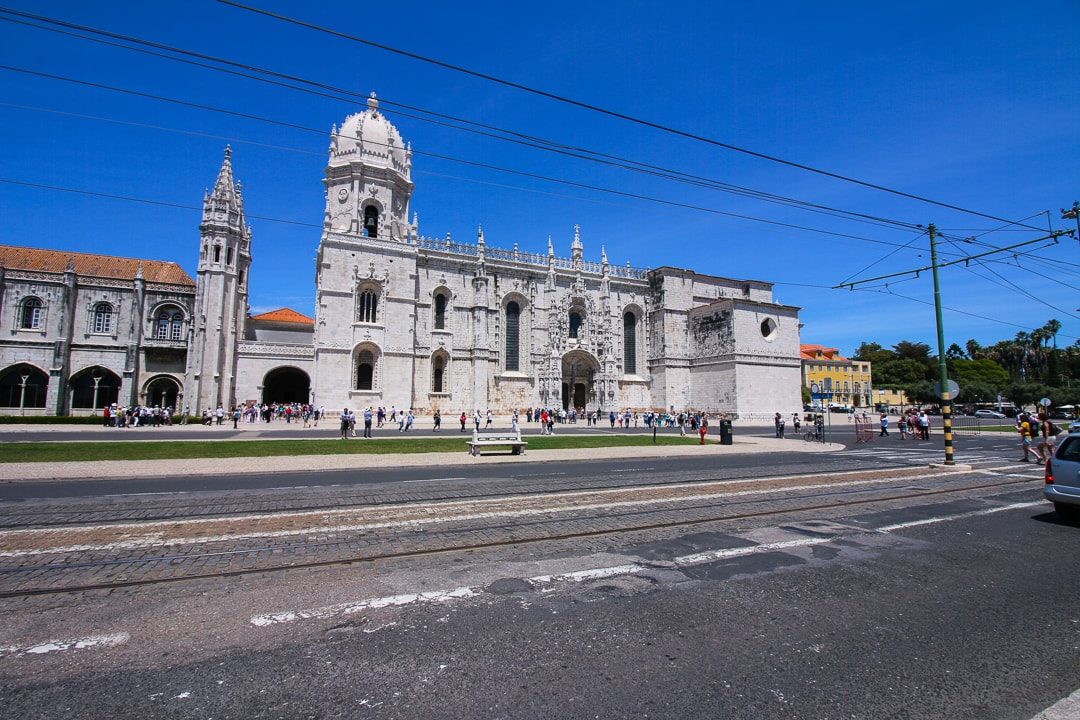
(974, 104)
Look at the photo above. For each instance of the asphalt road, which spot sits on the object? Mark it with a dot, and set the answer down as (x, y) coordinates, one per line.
(882, 452)
(968, 618)
(932, 596)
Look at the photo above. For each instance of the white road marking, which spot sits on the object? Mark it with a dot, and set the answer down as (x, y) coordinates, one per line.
(61, 645)
(959, 516)
(631, 568)
(155, 540)
(1067, 708)
(434, 480)
(354, 607)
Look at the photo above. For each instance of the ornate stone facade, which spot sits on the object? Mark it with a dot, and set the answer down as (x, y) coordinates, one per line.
(412, 321)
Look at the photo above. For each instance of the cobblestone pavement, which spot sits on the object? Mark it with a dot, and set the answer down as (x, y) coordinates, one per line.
(50, 545)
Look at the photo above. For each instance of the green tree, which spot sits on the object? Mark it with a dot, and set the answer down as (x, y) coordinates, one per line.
(920, 352)
(977, 392)
(898, 372)
(872, 353)
(955, 352)
(921, 392)
(986, 372)
(806, 396)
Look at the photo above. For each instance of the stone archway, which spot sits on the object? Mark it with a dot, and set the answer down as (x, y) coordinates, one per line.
(23, 386)
(286, 385)
(579, 371)
(162, 391)
(94, 387)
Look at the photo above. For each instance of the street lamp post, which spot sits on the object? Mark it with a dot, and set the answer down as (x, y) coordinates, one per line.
(22, 394)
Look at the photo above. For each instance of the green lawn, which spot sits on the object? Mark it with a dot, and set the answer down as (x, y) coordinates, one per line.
(181, 450)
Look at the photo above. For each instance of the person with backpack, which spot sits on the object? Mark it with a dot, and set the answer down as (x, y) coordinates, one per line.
(1047, 432)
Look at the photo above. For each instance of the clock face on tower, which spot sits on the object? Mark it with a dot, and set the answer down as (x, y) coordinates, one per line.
(342, 195)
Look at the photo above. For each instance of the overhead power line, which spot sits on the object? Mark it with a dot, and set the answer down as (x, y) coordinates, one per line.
(490, 131)
(144, 201)
(952, 309)
(605, 111)
(449, 158)
(965, 259)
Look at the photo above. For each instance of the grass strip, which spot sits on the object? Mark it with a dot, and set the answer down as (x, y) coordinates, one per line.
(171, 450)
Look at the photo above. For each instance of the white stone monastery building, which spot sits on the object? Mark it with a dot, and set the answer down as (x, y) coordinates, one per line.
(400, 319)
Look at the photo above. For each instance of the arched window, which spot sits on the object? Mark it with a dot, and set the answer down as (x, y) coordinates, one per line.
(513, 332)
(217, 253)
(32, 314)
(365, 370)
(103, 317)
(630, 343)
(170, 324)
(575, 324)
(438, 373)
(440, 311)
(371, 221)
(367, 306)
(228, 255)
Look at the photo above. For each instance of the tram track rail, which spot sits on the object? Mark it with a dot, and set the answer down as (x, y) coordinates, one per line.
(211, 508)
(890, 495)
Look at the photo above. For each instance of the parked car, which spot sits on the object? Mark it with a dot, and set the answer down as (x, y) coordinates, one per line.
(992, 414)
(1063, 477)
(1075, 427)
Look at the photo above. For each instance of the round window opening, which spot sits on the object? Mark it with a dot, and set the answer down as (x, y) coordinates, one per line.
(768, 328)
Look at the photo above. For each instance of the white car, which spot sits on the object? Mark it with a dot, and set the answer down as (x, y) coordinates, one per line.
(993, 414)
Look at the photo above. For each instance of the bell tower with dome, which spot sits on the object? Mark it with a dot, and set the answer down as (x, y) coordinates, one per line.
(365, 307)
(368, 184)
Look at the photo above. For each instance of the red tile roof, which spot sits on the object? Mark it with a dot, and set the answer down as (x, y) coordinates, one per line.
(284, 315)
(828, 354)
(102, 266)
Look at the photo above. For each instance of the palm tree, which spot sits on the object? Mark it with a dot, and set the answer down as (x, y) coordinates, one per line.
(1053, 327)
(1020, 346)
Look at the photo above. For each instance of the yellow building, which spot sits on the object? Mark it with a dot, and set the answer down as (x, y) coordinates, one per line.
(825, 370)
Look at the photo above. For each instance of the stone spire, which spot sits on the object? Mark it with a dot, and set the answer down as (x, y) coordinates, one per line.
(480, 270)
(603, 256)
(576, 248)
(225, 187)
(551, 248)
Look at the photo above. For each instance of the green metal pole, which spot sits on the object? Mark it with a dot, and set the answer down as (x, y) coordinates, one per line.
(946, 399)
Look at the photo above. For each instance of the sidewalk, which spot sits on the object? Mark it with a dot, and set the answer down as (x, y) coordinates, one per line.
(16, 472)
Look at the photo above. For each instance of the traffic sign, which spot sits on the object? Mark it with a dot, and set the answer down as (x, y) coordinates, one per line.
(954, 389)
(1045, 402)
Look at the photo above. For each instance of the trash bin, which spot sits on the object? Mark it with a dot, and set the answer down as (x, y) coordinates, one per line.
(725, 432)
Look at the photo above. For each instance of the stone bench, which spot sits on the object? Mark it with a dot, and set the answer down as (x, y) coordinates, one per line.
(482, 440)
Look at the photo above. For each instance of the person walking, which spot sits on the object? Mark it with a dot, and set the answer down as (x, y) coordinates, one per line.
(1044, 433)
(776, 425)
(463, 420)
(796, 422)
(489, 418)
(409, 417)
(703, 429)
(884, 426)
(437, 419)
(779, 428)
(476, 419)
(901, 425)
(235, 417)
(1026, 427)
